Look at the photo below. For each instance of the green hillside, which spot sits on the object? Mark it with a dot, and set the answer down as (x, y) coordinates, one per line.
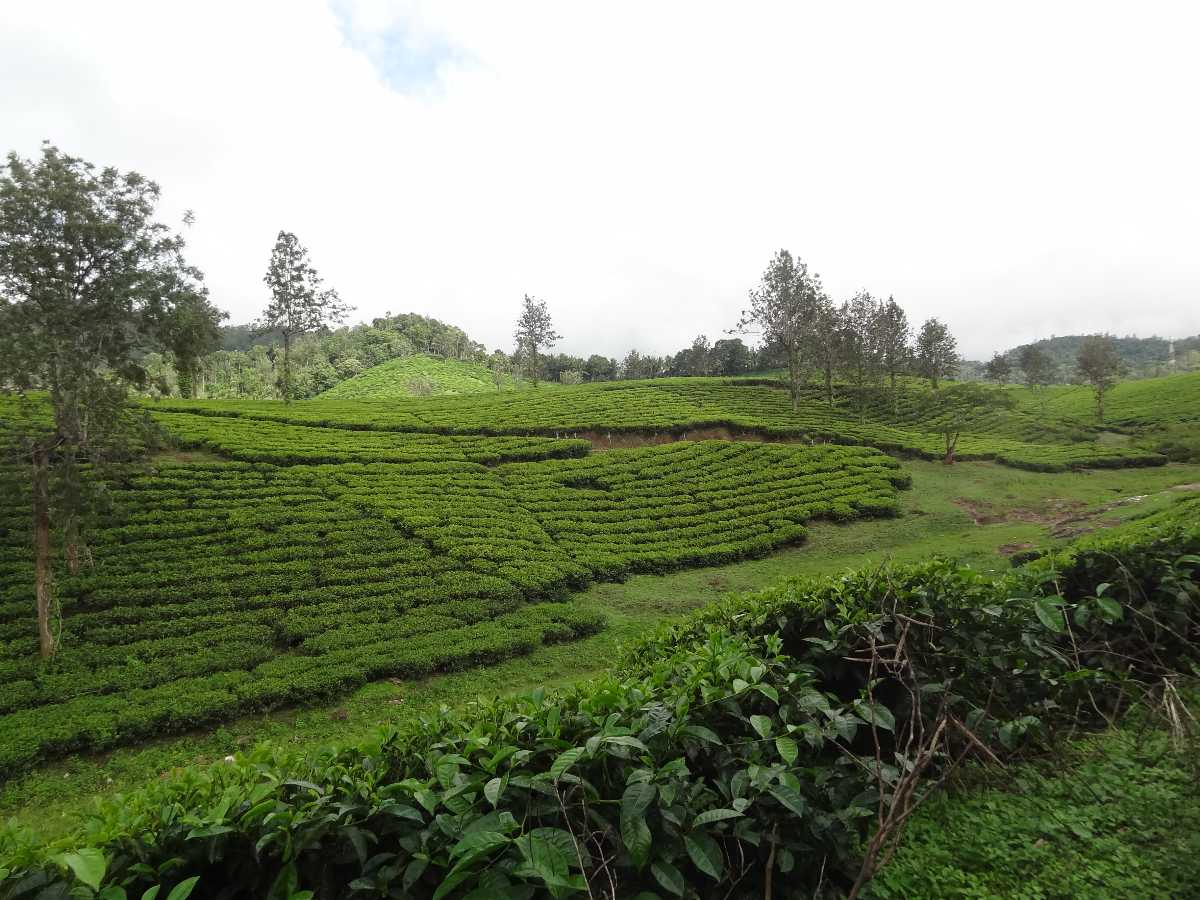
(408, 376)
(1143, 357)
(1148, 402)
(688, 407)
(317, 549)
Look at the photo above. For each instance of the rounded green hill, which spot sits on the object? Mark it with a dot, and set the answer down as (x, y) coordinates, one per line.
(419, 375)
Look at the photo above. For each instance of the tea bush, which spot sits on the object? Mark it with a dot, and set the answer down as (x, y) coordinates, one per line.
(224, 588)
(394, 379)
(1141, 403)
(681, 405)
(734, 751)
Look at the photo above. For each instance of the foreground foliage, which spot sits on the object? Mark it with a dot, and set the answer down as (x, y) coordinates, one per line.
(739, 748)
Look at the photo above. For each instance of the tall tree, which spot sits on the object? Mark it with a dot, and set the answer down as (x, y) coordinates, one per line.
(192, 332)
(895, 339)
(89, 283)
(632, 365)
(1038, 370)
(859, 336)
(731, 356)
(499, 366)
(998, 369)
(1037, 367)
(825, 346)
(299, 302)
(534, 330)
(783, 309)
(1100, 365)
(936, 352)
(696, 359)
(949, 411)
(600, 368)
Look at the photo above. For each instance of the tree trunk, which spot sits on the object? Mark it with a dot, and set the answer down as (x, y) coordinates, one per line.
(71, 545)
(186, 379)
(41, 548)
(951, 444)
(287, 368)
(794, 378)
(829, 385)
(1100, 405)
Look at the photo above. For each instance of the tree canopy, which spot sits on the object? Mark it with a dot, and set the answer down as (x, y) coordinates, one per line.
(534, 330)
(90, 282)
(783, 310)
(300, 303)
(1099, 364)
(936, 352)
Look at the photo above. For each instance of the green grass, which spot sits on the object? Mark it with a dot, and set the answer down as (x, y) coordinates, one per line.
(935, 520)
(1118, 816)
(400, 378)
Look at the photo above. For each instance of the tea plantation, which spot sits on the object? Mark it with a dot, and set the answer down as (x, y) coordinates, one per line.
(1148, 402)
(309, 560)
(739, 752)
(409, 376)
(276, 556)
(751, 409)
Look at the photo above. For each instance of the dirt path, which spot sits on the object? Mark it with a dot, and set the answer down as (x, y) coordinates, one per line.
(1061, 518)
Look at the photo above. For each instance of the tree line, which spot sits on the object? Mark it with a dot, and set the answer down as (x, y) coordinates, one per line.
(865, 340)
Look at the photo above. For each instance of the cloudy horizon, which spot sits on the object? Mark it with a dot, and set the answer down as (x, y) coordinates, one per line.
(1016, 171)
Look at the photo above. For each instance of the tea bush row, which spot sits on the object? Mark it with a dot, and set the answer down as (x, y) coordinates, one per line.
(395, 379)
(277, 572)
(215, 569)
(738, 753)
(698, 503)
(1138, 404)
(283, 444)
(678, 406)
(235, 680)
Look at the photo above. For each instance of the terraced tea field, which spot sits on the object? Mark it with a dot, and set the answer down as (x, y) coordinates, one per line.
(314, 559)
(331, 543)
(406, 376)
(675, 406)
(1150, 402)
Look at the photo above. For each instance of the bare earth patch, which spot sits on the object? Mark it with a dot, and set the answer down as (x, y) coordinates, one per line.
(1010, 549)
(1062, 518)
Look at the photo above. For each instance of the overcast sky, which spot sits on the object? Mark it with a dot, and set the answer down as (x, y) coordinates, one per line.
(1017, 169)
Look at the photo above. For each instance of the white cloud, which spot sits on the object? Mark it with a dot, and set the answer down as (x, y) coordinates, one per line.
(1017, 170)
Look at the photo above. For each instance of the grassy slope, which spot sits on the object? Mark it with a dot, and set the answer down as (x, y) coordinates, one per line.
(1118, 817)
(392, 380)
(939, 517)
